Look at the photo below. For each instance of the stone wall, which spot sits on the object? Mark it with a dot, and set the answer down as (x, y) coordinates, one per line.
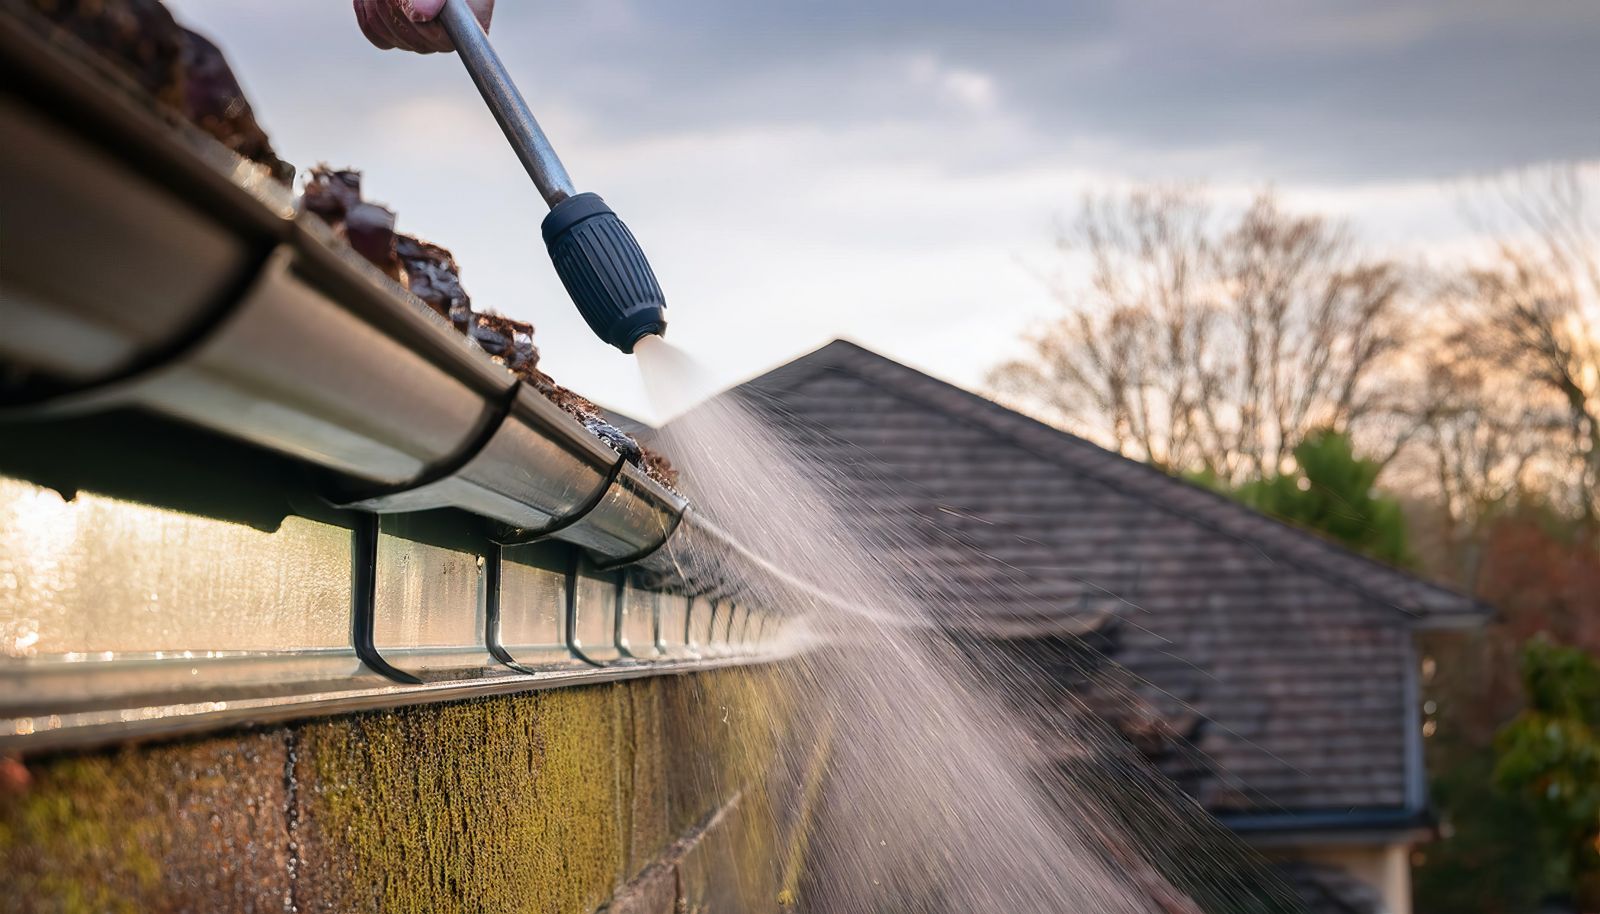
(655, 795)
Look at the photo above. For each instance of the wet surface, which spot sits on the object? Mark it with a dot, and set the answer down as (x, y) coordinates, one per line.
(550, 801)
(197, 826)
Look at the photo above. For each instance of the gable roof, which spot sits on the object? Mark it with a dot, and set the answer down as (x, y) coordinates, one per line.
(1422, 602)
(1282, 661)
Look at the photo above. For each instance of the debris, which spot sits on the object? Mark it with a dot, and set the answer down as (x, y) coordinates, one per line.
(432, 274)
(188, 75)
(182, 71)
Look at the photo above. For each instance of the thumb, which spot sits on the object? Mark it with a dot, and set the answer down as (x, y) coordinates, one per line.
(428, 10)
(421, 10)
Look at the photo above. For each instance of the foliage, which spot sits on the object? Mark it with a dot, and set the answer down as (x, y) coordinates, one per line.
(1332, 491)
(1491, 858)
(1550, 754)
(1494, 855)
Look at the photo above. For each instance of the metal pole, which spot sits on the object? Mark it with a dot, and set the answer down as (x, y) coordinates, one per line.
(501, 94)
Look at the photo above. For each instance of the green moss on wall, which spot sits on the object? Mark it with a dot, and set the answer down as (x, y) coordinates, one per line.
(510, 804)
(196, 825)
(542, 802)
(648, 830)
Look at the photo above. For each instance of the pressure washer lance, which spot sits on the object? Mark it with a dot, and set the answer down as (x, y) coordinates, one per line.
(597, 258)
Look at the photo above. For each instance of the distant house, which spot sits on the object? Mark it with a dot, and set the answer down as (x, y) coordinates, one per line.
(1285, 664)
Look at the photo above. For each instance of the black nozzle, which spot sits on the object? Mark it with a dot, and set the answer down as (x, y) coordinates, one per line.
(604, 271)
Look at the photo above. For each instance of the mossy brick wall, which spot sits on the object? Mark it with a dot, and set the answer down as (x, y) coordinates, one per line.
(544, 802)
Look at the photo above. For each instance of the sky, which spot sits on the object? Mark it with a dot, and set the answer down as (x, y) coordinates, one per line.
(896, 172)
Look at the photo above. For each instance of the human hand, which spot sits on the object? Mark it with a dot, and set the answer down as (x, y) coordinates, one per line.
(409, 24)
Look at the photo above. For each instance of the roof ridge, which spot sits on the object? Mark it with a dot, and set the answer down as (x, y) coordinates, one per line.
(1206, 507)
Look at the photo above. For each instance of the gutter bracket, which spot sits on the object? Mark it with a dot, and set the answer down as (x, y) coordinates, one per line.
(491, 614)
(572, 613)
(364, 590)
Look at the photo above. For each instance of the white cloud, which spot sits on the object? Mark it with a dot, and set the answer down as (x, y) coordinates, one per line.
(966, 87)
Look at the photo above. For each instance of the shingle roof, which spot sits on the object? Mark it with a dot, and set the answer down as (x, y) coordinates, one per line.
(1283, 656)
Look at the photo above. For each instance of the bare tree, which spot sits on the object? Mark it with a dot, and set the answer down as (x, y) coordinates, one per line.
(1482, 441)
(1528, 320)
(1202, 344)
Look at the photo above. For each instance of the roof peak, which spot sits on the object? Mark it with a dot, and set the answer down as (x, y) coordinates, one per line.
(1425, 601)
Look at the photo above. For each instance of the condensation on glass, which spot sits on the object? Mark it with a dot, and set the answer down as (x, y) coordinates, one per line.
(94, 578)
(429, 605)
(533, 610)
(594, 625)
(637, 631)
(672, 633)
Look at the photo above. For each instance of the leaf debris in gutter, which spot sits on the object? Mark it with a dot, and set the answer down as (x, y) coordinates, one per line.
(433, 275)
(187, 75)
(181, 70)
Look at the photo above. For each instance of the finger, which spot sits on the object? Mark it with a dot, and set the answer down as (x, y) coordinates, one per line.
(371, 26)
(413, 21)
(400, 30)
(423, 38)
(429, 38)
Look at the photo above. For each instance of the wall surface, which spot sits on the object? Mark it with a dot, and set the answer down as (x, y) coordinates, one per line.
(1384, 867)
(646, 796)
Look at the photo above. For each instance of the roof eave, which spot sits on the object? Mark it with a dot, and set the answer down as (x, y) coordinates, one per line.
(1389, 825)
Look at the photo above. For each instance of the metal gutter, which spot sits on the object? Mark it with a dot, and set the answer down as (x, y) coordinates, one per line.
(87, 729)
(237, 315)
(150, 272)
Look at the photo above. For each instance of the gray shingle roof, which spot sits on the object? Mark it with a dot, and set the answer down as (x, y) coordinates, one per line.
(1281, 656)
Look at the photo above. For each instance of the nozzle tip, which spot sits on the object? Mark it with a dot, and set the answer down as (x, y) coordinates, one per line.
(656, 330)
(604, 270)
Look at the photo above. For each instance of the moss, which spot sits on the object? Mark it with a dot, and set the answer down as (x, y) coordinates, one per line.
(182, 826)
(733, 734)
(648, 834)
(506, 804)
(544, 802)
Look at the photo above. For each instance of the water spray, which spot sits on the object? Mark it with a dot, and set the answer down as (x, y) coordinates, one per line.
(598, 259)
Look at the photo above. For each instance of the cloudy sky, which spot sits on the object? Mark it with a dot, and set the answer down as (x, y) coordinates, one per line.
(893, 171)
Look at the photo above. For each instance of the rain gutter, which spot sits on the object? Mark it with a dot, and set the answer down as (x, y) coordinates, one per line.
(204, 296)
(149, 270)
